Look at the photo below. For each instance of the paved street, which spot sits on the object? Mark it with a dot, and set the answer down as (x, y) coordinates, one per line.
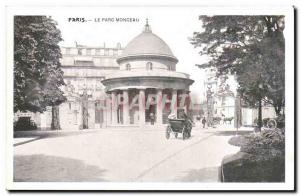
(122, 154)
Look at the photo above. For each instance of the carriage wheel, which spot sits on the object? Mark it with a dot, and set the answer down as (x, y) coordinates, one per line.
(168, 132)
(272, 124)
(176, 135)
(189, 134)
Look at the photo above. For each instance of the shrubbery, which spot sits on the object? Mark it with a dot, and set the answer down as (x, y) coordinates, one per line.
(261, 158)
(270, 142)
(24, 124)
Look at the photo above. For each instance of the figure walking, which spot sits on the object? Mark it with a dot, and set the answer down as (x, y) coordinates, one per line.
(152, 118)
(203, 122)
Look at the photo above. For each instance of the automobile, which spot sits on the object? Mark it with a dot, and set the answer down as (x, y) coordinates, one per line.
(176, 126)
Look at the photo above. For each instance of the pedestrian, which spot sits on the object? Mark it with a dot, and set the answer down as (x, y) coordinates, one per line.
(223, 118)
(152, 118)
(203, 122)
(187, 123)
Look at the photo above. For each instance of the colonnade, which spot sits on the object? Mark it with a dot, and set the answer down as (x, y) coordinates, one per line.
(115, 101)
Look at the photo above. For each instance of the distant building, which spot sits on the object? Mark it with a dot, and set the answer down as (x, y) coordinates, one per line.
(84, 69)
(223, 91)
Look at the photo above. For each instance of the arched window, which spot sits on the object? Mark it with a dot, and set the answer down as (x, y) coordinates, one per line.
(128, 67)
(149, 66)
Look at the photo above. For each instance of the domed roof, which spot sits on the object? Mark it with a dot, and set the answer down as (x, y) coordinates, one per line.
(147, 43)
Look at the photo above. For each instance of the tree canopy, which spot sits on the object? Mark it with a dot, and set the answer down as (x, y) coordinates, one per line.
(37, 69)
(249, 47)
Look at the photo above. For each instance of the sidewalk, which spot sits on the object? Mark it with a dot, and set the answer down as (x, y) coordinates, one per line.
(225, 130)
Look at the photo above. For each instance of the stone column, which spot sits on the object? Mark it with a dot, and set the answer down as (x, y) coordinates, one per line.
(184, 101)
(91, 114)
(79, 115)
(108, 111)
(114, 108)
(43, 121)
(159, 106)
(174, 102)
(126, 119)
(187, 103)
(142, 107)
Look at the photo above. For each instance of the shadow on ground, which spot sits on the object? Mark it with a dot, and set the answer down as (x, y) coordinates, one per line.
(208, 174)
(37, 135)
(42, 168)
(46, 134)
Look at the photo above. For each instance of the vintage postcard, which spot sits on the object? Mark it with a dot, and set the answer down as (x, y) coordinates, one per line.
(150, 98)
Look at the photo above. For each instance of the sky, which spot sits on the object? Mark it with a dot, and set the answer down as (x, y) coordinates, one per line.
(173, 25)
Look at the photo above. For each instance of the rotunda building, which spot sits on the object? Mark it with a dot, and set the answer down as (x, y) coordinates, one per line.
(147, 87)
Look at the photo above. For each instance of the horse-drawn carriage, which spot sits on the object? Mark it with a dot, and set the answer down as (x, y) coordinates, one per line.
(181, 126)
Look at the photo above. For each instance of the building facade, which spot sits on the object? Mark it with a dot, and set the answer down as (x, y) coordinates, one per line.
(84, 68)
(147, 82)
(221, 101)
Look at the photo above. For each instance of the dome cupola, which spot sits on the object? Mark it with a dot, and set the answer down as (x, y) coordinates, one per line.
(147, 62)
(146, 45)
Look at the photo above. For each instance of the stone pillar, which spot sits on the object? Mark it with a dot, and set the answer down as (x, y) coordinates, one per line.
(174, 102)
(108, 111)
(126, 119)
(43, 121)
(114, 108)
(142, 107)
(91, 114)
(79, 115)
(159, 106)
(187, 102)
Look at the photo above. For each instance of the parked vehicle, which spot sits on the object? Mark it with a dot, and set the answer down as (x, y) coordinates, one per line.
(181, 126)
(272, 123)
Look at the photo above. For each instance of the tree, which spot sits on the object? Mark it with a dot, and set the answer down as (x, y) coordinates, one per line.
(252, 49)
(37, 70)
(54, 97)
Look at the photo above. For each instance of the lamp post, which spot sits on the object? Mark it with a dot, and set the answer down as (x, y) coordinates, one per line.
(85, 93)
(237, 108)
(210, 106)
(237, 112)
(260, 92)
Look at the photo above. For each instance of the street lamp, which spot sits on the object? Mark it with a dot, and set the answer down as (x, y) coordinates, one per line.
(85, 94)
(210, 106)
(259, 120)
